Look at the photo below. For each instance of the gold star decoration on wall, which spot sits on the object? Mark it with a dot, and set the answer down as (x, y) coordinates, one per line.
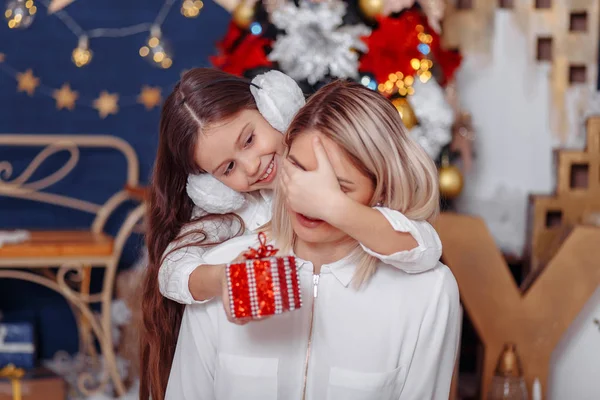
(107, 104)
(65, 97)
(150, 97)
(27, 82)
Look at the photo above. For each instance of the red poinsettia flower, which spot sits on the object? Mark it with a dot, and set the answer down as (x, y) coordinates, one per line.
(449, 61)
(391, 47)
(240, 51)
(395, 43)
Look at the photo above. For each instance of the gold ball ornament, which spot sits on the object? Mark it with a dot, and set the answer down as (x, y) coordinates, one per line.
(371, 8)
(451, 181)
(243, 14)
(409, 119)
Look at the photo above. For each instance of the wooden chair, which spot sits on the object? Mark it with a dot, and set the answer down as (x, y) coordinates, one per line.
(62, 259)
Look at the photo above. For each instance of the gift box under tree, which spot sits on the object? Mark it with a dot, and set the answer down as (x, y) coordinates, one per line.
(17, 345)
(36, 384)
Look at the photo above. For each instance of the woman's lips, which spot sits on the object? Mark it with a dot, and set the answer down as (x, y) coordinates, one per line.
(308, 222)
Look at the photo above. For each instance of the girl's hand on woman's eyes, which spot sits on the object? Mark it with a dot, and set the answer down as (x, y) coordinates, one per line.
(311, 193)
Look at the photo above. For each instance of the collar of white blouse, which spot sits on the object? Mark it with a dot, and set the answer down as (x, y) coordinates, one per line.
(342, 270)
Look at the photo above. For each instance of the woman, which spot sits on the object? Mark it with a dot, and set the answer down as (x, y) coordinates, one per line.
(365, 330)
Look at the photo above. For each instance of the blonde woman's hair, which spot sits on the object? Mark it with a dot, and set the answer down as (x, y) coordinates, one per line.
(368, 128)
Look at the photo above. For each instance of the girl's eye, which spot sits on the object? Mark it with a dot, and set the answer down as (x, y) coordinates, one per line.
(229, 168)
(344, 189)
(250, 140)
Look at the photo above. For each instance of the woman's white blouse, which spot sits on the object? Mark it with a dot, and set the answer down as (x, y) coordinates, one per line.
(394, 338)
(177, 265)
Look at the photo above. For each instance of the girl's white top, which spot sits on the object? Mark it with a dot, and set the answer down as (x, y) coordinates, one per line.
(394, 338)
(177, 265)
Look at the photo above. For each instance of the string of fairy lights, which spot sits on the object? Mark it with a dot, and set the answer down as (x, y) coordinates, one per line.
(20, 14)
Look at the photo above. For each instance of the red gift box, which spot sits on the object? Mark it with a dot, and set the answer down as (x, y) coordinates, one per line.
(263, 284)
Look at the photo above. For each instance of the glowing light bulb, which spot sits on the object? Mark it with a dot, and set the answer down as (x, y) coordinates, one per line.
(19, 14)
(157, 50)
(82, 55)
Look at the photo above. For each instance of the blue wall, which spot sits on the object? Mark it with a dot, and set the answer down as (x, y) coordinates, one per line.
(46, 48)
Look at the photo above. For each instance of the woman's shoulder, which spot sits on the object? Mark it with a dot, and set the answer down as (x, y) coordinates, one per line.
(446, 281)
(441, 278)
(438, 281)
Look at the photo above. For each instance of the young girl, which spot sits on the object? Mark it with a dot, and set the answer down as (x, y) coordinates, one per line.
(214, 137)
(365, 330)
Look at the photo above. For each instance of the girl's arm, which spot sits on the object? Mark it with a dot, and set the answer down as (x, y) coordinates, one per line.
(184, 276)
(205, 282)
(412, 246)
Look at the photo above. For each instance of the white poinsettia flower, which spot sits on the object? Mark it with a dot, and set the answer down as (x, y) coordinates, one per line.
(315, 44)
